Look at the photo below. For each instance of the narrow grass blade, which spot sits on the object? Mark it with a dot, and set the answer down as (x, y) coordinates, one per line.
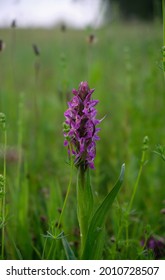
(68, 251)
(18, 252)
(94, 240)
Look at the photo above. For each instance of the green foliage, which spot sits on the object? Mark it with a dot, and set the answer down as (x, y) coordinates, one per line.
(94, 239)
(123, 67)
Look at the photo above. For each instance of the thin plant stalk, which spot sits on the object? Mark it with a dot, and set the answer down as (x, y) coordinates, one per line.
(137, 180)
(129, 207)
(90, 54)
(163, 10)
(4, 197)
(3, 126)
(68, 190)
(63, 208)
(20, 137)
(37, 68)
(12, 60)
(163, 49)
(64, 77)
(142, 162)
(2, 46)
(82, 205)
(89, 60)
(44, 248)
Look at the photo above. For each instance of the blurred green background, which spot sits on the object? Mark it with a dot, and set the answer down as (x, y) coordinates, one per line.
(123, 63)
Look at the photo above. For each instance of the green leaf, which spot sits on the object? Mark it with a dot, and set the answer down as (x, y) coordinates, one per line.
(94, 240)
(68, 251)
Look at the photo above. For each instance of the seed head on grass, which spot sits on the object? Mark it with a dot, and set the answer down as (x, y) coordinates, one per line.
(2, 194)
(36, 49)
(91, 39)
(1, 180)
(2, 45)
(13, 23)
(2, 121)
(37, 65)
(80, 129)
(63, 27)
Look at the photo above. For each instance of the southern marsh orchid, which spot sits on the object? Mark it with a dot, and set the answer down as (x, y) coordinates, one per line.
(80, 127)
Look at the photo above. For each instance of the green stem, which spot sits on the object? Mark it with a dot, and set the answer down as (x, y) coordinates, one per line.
(20, 138)
(137, 180)
(81, 206)
(50, 249)
(12, 57)
(4, 197)
(163, 12)
(144, 149)
(84, 202)
(44, 248)
(62, 212)
(67, 194)
(125, 224)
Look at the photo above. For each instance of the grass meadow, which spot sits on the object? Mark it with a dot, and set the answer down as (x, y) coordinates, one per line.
(124, 65)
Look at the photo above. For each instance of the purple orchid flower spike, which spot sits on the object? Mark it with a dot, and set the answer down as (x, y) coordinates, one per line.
(80, 129)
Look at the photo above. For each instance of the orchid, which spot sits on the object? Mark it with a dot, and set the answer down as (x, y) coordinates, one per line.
(80, 129)
(81, 133)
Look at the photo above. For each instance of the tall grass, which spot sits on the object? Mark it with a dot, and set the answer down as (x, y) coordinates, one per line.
(123, 67)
